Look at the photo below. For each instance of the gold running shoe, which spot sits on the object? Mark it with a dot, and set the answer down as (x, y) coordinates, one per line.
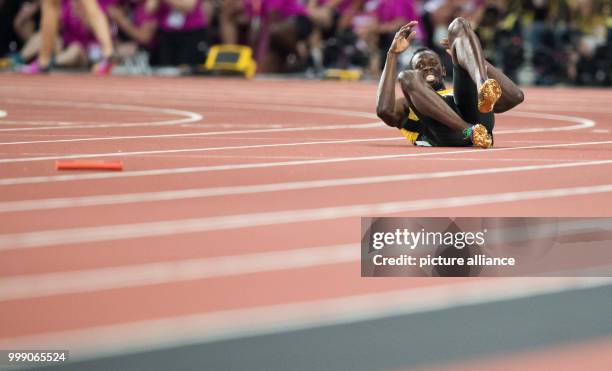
(489, 93)
(481, 137)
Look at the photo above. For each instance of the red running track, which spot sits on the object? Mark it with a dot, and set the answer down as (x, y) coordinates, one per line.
(249, 194)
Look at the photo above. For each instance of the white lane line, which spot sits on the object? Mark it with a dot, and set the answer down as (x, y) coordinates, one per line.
(194, 98)
(187, 116)
(210, 133)
(198, 169)
(60, 283)
(222, 97)
(289, 94)
(288, 107)
(301, 94)
(200, 328)
(581, 123)
(238, 125)
(510, 159)
(28, 286)
(37, 123)
(183, 226)
(239, 157)
(205, 149)
(115, 199)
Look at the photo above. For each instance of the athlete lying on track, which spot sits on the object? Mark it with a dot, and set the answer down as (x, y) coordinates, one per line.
(432, 115)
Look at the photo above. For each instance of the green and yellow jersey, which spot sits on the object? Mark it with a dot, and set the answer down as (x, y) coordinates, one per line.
(411, 127)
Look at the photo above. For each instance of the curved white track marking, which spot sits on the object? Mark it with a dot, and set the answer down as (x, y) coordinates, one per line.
(297, 108)
(49, 284)
(200, 328)
(582, 123)
(189, 117)
(199, 169)
(115, 199)
(183, 226)
(568, 108)
(121, 154)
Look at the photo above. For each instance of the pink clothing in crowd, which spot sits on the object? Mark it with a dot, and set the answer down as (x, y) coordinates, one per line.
(285, 8)
(140, 15)
(74, 28)
(341, 7)
(390, 10)
(173, 20)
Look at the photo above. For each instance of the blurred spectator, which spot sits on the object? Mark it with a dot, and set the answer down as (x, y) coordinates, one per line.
(232, 20)
(277, 31)
(134, 23)
(543, 36)
(588, 63)
(136, 33)
(181, 35)
(78, 18)
(544, 42)
(437, 15)
(341, 45)
(79, 43)
(324, 16)
(11, 35)
(500, 32)
(27, 20)
(76, 47)
(385, 18)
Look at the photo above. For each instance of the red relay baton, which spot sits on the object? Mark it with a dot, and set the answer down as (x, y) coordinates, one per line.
(89, 165)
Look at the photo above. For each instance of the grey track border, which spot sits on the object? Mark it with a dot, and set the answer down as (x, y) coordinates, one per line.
(405, 341)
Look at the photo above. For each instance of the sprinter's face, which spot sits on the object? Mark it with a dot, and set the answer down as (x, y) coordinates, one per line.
(429, 65)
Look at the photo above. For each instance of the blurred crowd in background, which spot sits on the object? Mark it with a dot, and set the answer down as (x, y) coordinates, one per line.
(541, 42)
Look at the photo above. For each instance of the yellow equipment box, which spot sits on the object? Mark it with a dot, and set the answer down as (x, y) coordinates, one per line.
(228, 58)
